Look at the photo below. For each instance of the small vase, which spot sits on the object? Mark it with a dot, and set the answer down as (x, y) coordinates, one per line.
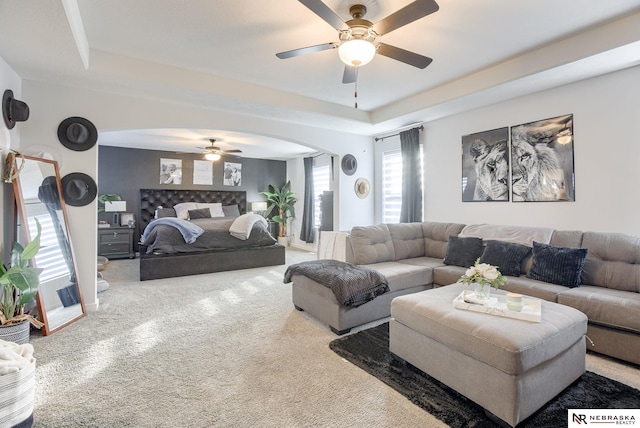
(482, 291)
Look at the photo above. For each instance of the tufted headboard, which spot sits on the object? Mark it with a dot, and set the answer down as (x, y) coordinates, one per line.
(151, 199)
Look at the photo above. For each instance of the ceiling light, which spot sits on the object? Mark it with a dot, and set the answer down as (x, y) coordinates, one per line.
(212, 157)
(356, 53)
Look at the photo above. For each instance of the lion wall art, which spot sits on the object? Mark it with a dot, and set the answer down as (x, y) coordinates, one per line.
(542, 167)
(485, 166)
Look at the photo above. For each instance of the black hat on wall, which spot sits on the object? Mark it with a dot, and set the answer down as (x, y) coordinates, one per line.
(13, 110)
(77, 133)
(78, 189)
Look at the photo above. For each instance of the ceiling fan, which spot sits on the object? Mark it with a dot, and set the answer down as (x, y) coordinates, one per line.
(358, 36)
(213, 153)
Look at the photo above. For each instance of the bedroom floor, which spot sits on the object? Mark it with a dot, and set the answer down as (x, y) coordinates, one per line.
(127, 270)
(223, 349)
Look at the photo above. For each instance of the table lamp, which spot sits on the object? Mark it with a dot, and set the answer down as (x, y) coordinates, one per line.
(115, 207)
(258, 207)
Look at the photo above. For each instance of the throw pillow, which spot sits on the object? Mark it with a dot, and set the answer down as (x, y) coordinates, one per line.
(507, 256)
(199, 213)
(463, 251)
(231, 210)
(557, 265)
(165, 212)
(214, 207)
(182, 209)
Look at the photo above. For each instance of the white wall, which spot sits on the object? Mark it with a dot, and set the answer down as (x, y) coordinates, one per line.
(51, 104)
(9, 139)
(606, 113)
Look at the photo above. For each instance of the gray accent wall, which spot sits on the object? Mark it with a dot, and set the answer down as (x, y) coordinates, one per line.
(125, 171)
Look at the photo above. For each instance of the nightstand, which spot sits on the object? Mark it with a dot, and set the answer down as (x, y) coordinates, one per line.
(116, 242)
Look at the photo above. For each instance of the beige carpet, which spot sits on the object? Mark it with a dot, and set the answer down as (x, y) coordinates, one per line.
(217, 350)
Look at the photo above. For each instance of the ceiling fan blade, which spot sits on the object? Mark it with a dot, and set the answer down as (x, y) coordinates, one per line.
(349, 75)
(307, 50)
(411, 12)
(232, 151)
(405, 56)
(323, 11)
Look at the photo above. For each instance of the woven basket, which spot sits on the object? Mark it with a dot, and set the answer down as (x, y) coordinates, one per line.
(17, 395)
(18, 333)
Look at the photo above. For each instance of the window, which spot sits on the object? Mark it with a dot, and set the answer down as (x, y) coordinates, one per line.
(50, 257)
(321, 183)
(392, 185)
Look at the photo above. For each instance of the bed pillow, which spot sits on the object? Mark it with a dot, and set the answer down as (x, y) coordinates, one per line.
(182, 209)
(231, 210)
(507, 256)
(557, 265)
(463, 251)
(165, 212)
(214, 207)
(199, 213)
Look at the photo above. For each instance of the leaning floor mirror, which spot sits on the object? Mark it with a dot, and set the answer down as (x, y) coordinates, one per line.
(37, 191)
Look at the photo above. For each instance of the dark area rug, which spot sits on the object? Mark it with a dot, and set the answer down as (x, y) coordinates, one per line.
(369, 350)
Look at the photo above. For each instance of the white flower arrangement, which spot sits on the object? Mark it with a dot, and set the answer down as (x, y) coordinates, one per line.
(484, 274)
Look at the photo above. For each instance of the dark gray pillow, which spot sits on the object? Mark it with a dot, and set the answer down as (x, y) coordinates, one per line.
(463, 251)
(507, 256)
(231, 210)
(557, 265)
(165, 212)
(199, 213)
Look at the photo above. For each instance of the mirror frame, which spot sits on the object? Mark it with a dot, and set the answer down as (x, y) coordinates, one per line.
(23, 224)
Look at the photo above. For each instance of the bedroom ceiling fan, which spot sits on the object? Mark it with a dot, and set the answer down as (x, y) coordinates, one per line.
(358, 36)
(213, 153)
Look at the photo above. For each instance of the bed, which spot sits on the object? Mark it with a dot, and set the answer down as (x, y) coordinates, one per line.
(166, 254)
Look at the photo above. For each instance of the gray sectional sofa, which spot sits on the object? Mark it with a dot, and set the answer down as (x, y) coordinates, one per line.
(412, 255)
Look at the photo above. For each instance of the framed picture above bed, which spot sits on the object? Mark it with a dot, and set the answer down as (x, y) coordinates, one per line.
(202, 172)
(485, 166)
(170, 171)
(542, 167)
(232, 174)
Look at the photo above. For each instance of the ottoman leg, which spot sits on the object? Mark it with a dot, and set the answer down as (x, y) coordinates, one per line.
(340, 332)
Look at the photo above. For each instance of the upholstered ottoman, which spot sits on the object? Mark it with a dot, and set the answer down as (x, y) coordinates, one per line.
(510, 367)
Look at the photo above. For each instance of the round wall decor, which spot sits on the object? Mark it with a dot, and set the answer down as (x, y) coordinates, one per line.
(362, 187)
(77, 133)
(78, 189)
(349, 164)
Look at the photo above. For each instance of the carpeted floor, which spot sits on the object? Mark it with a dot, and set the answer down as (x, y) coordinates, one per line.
(217, 350)
(369, 350)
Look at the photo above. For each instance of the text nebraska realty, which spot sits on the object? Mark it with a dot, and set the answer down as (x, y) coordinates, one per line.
(604, 419)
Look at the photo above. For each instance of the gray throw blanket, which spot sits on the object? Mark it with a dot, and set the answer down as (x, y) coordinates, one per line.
(190, 231)
(352, 285)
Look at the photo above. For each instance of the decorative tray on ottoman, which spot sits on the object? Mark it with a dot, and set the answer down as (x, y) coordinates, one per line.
(497, 305)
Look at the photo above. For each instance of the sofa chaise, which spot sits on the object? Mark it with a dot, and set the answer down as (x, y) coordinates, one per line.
(419, 256)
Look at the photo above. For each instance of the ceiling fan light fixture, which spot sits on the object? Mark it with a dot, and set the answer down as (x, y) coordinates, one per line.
(212, 157)
(357, 52)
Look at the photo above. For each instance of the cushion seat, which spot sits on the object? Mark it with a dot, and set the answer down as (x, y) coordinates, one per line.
(401, 275)
(605, 306)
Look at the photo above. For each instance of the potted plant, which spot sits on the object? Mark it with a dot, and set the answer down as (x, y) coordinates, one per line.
(282, 200)
(18, 286)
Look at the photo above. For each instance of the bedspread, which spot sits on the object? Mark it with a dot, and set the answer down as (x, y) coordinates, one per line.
(165, 239)
(351, 284)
